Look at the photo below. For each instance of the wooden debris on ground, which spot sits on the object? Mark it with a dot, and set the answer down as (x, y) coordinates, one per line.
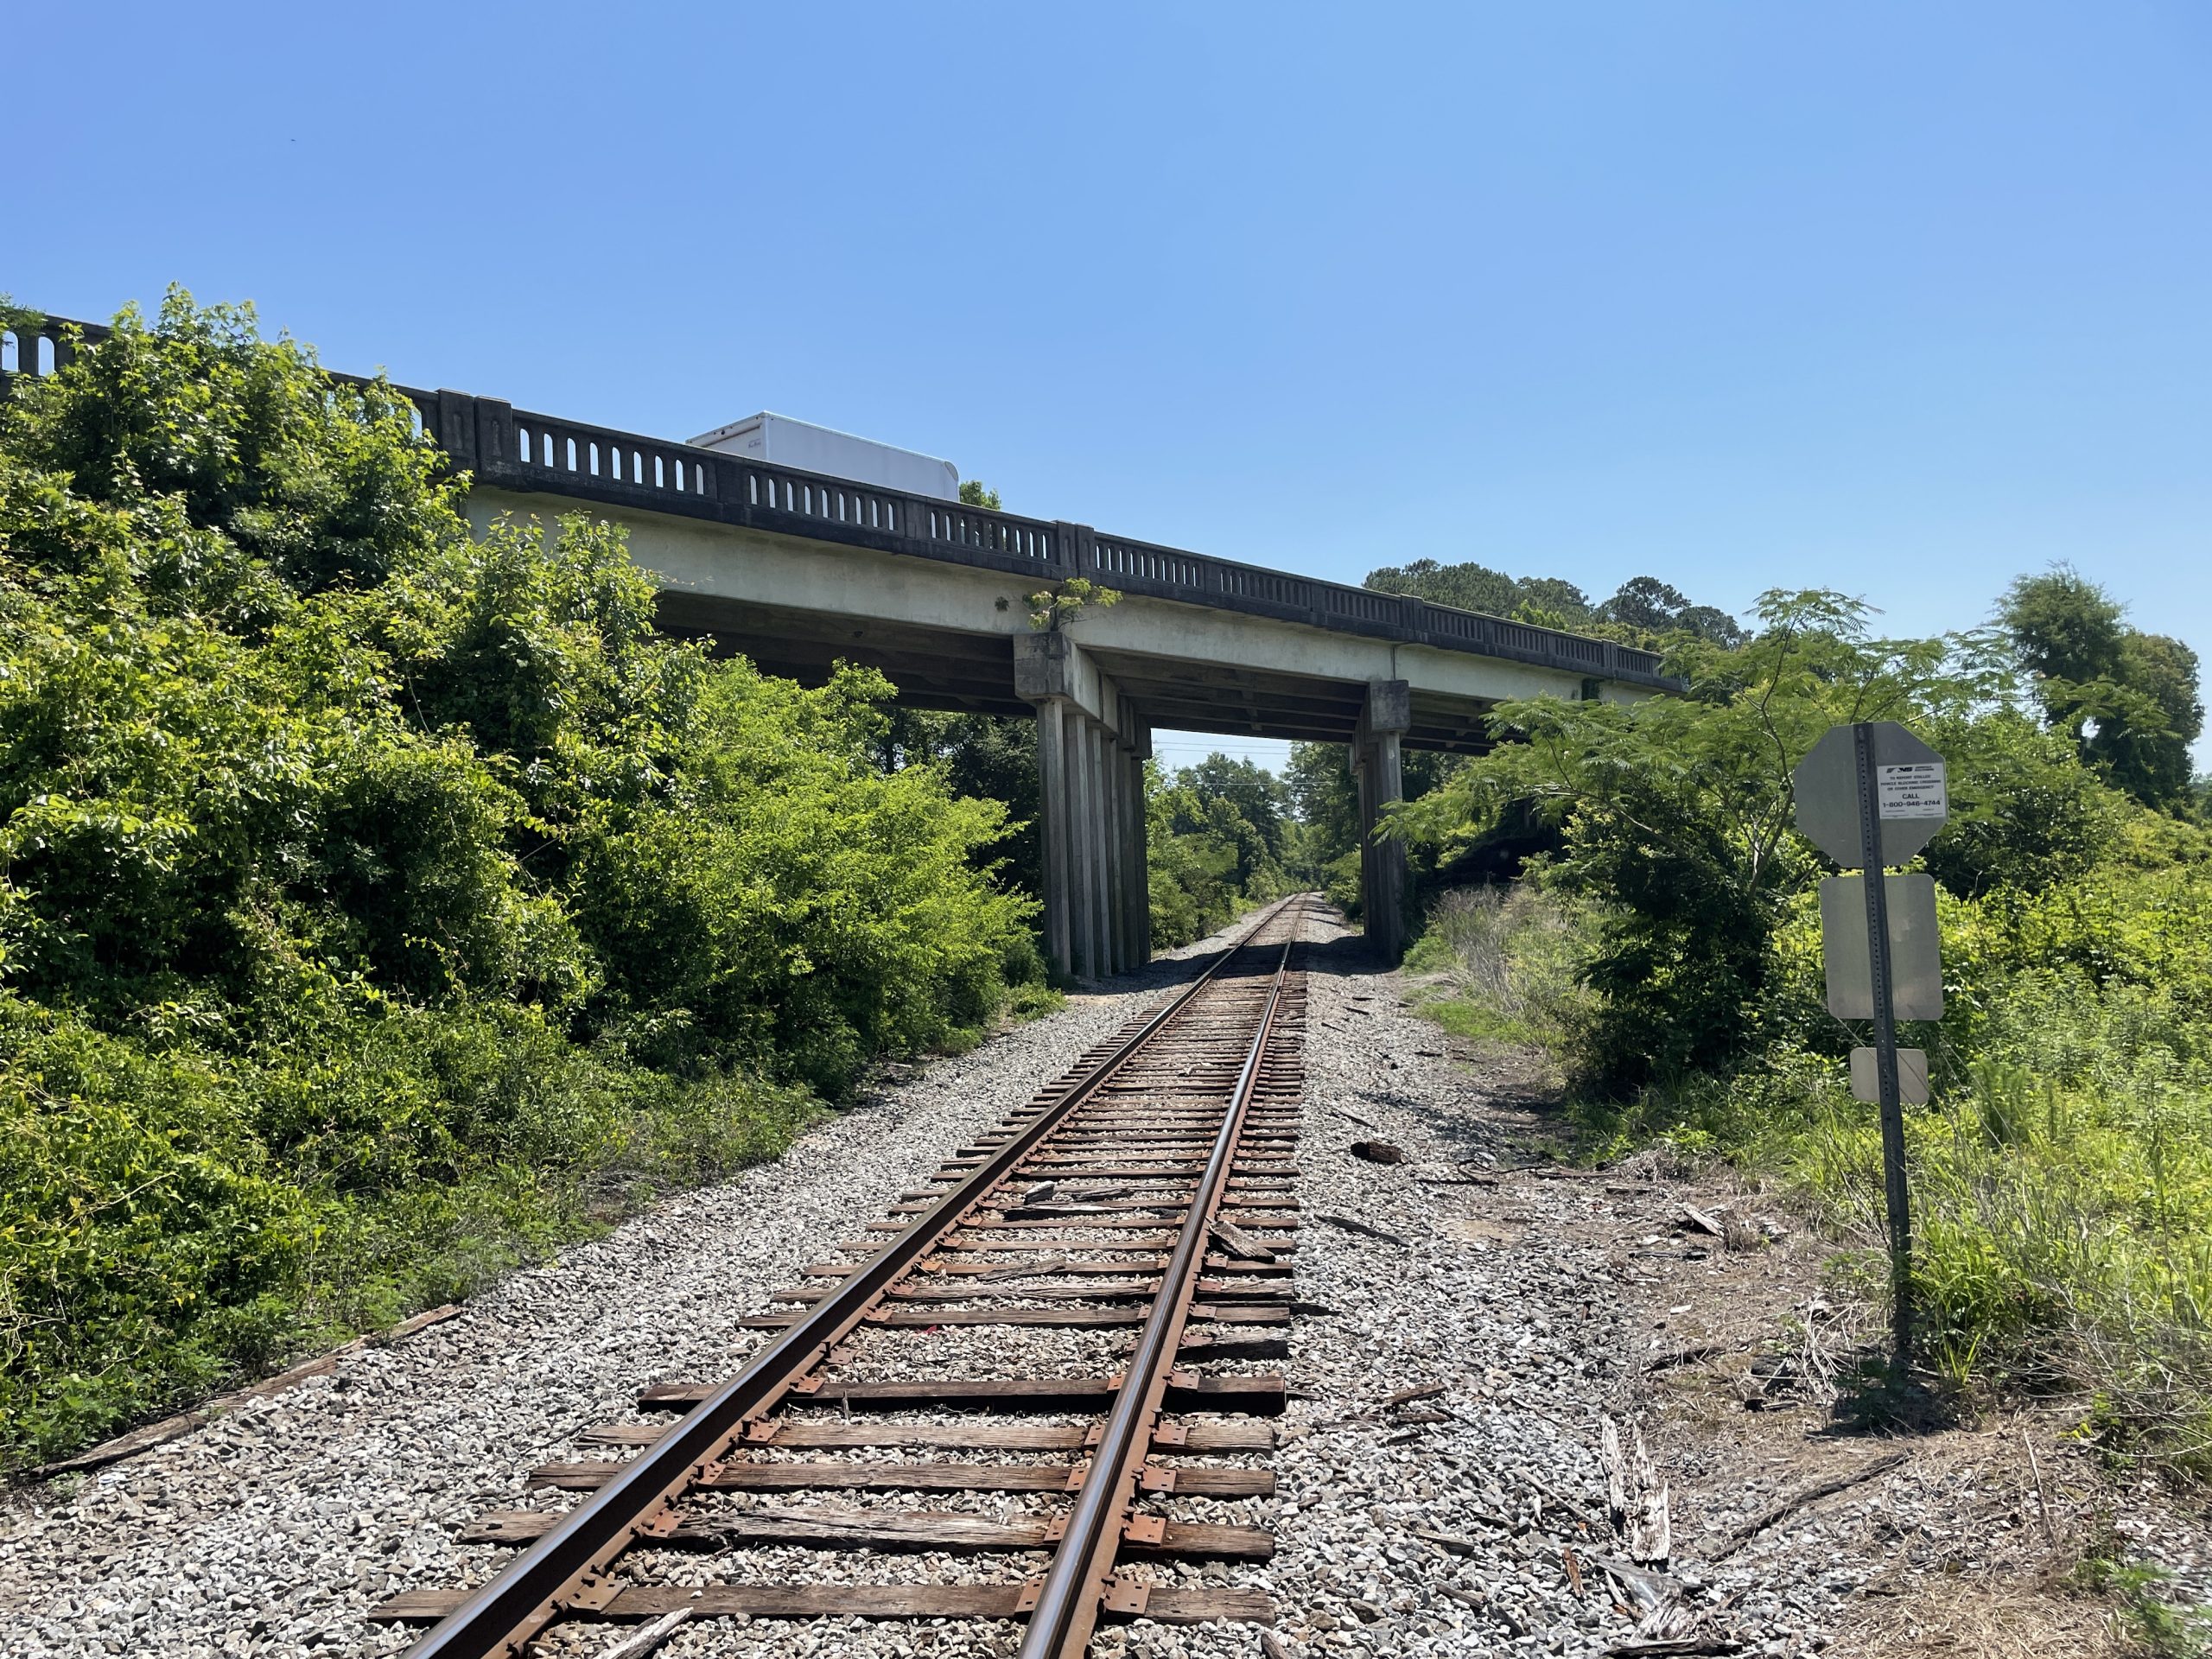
(1360, 1227)
(1423, 1391)
(1039, 1268)
(641, 1643)
(1735, 1231)
(1686, 1355)
(1637, 1499)
(1378, 1152)
(2043, 1498)
(1457, 1542)
(1238, 1243)
(1736, 1539)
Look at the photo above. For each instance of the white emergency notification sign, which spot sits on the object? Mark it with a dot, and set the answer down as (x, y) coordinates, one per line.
(1910, 792)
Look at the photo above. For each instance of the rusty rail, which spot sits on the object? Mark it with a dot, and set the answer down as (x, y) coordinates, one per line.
(565, 1570)
(1068, 1601)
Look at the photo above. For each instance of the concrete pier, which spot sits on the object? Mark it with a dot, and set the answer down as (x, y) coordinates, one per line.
(1376, 764)
(1091, 747)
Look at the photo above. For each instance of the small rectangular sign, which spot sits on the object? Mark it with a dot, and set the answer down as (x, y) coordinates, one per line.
(1912, 1076)
(1915, 791)
(1916, 960)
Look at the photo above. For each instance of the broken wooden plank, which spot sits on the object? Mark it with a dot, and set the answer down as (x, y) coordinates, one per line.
(650, 1638)
(1238, 1243)
(1637, 1498)
(1704, 1222)
(1423, 1391)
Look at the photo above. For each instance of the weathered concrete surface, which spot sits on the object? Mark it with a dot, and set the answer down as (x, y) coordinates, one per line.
(952, 628)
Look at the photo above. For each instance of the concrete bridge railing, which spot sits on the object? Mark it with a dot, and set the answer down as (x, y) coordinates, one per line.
(513, 448)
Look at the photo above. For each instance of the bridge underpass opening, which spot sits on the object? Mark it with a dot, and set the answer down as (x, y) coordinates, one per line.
(1098, 709)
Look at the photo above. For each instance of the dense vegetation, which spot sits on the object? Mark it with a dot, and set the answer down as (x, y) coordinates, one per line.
(1221, 839)
(379, 903)
(1666, 948)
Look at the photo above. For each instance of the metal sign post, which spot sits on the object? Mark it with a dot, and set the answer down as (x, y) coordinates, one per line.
(1885, 1047)
(1873, 795)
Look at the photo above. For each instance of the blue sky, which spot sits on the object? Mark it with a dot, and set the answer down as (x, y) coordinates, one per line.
(1900, 299)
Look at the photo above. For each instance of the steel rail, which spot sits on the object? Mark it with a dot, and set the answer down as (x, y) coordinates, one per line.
(1070, 1597)
(561, 1572)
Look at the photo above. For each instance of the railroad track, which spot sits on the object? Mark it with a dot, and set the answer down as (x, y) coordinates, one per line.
(1139, 1209)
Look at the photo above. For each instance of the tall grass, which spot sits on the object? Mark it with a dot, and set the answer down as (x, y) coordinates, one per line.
(2062, 1179)
(1501, 962)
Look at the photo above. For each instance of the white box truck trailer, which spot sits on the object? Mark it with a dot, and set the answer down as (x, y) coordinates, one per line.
(811, 448)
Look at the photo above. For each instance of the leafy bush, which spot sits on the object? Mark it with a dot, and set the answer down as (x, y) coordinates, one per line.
(1670, 954)
(1217, 834)
(380, 904)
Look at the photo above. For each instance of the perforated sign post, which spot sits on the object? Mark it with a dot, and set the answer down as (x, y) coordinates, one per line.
(1869, 795)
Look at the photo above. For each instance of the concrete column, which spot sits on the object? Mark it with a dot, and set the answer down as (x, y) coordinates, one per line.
(1387, 922)
(1098, 829)
(1052, 783)
(1136, 904)
(1111, 824)
(1378, 763)
(1082, 847)
(1355, 760)
(1091, 878)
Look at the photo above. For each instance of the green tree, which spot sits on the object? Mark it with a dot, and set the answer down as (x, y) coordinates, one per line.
(379, 902)
(1676, 815)
(1642, 608)
(2129, 700)
(981, 756)
(1470, 587)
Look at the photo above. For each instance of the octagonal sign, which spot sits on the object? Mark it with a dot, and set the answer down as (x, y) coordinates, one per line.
(1909, 793)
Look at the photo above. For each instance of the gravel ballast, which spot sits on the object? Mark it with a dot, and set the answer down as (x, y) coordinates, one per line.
(1513, 1305)
(274, 1529)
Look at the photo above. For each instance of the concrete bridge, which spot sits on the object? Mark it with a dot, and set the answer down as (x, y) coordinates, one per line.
(797, 571)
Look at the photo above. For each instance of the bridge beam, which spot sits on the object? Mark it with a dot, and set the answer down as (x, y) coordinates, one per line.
(1376, 764)
(1097, 917)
